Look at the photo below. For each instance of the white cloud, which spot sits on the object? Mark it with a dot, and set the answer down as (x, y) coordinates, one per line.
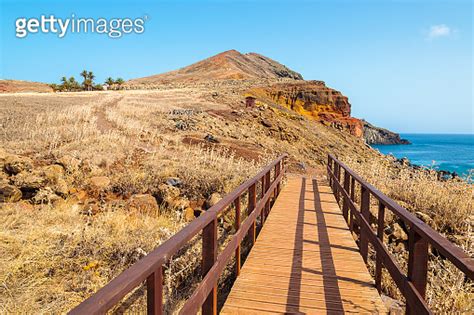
(441, 30)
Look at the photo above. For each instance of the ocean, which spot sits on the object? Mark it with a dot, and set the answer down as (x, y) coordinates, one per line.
(450, 152)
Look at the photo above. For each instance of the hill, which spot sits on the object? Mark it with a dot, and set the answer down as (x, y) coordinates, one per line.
(17, 86)
(224, 66)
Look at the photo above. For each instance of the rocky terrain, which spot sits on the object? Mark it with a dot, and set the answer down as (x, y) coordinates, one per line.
(16, 86)
(377, 135)
(92, 181)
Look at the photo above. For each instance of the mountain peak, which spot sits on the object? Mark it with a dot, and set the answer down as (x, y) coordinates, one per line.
(230, 64)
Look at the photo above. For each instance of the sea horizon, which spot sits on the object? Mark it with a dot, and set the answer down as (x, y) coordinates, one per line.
(441, 151)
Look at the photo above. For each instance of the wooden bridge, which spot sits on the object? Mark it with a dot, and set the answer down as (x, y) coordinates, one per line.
(305, 258)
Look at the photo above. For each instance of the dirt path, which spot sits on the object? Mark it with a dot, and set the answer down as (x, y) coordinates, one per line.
(103, 124)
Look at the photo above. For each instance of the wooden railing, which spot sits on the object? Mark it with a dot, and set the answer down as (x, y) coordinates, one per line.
(150, 268)
(413, 284)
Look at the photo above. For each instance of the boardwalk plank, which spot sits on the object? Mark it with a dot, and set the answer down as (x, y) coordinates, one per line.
(305, 260)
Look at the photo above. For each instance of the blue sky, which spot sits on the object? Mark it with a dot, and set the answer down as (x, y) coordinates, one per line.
(405, 65)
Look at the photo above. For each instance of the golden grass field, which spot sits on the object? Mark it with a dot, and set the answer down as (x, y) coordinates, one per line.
(56, 252)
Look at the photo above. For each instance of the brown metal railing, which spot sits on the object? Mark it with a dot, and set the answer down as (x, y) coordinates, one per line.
(150, 268)
(413, 284)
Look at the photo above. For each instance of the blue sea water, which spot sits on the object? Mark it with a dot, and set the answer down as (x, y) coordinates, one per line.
(450, 152)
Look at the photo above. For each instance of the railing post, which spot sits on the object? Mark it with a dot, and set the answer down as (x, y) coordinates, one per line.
(237, 227)
(251, 207)
(154, 292)
(365, 211)
(337, 170)
(417, 263)
(345, 205)
(209, 257)
(267, 188)
(378, 259)
(262, 215)
(280, 169)
(329, 176)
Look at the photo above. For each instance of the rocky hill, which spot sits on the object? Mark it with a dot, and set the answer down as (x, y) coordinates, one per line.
(16, 86)
(313, 99)
(224, 66)
(377, 135)
(271, 83)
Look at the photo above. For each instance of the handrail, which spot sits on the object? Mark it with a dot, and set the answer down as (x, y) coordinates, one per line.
(150, 267)
(413, 284)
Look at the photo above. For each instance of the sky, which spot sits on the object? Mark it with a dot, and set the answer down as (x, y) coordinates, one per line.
(405, 65)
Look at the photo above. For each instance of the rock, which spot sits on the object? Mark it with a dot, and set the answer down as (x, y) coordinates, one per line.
(69, 163)
(394, 307)
(211, 138)
(212, 200)
(61, 188)
(266, 123)
(189, 214)
(29, 181)
(99, 182)
(15, 164)
(301, 165)
(398, 233)
(45, 195)
(9, 193)
(144, 203)
(167, 193)
(376, 135)
(174, 181)
(53, 172)
(179, 203)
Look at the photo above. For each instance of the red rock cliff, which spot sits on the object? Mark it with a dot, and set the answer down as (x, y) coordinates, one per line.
(315, 100)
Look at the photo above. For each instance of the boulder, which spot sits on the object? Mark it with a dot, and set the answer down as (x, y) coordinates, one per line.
(212, 200)
(210, 138)
(30, 181)
(167, 193)
(61, 188)
(99, 182)
(45, 195)
(14, 164)
(9, 193)
(394, 307)
(179, 204)
(266, 123)
(145, 203)
(174, 181)
(398, 233)
(69, 163)
(53, 172)
(189, 214)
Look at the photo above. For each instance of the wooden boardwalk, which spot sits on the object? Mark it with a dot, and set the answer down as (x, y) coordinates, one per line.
(305, 260)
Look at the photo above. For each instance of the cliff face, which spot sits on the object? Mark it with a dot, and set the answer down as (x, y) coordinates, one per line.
(376, 135)
(314, 100)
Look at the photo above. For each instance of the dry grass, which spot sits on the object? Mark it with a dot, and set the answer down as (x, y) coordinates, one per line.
(449, 205)
(130, 137)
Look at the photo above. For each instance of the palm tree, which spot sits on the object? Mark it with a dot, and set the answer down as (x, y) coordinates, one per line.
(64, 84)
(73, 84)
(109, 81)
(84, 74)
(91, 78)
(119, 82)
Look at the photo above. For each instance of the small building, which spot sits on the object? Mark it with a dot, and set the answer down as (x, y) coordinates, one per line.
(105, 87)
(250, 101)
